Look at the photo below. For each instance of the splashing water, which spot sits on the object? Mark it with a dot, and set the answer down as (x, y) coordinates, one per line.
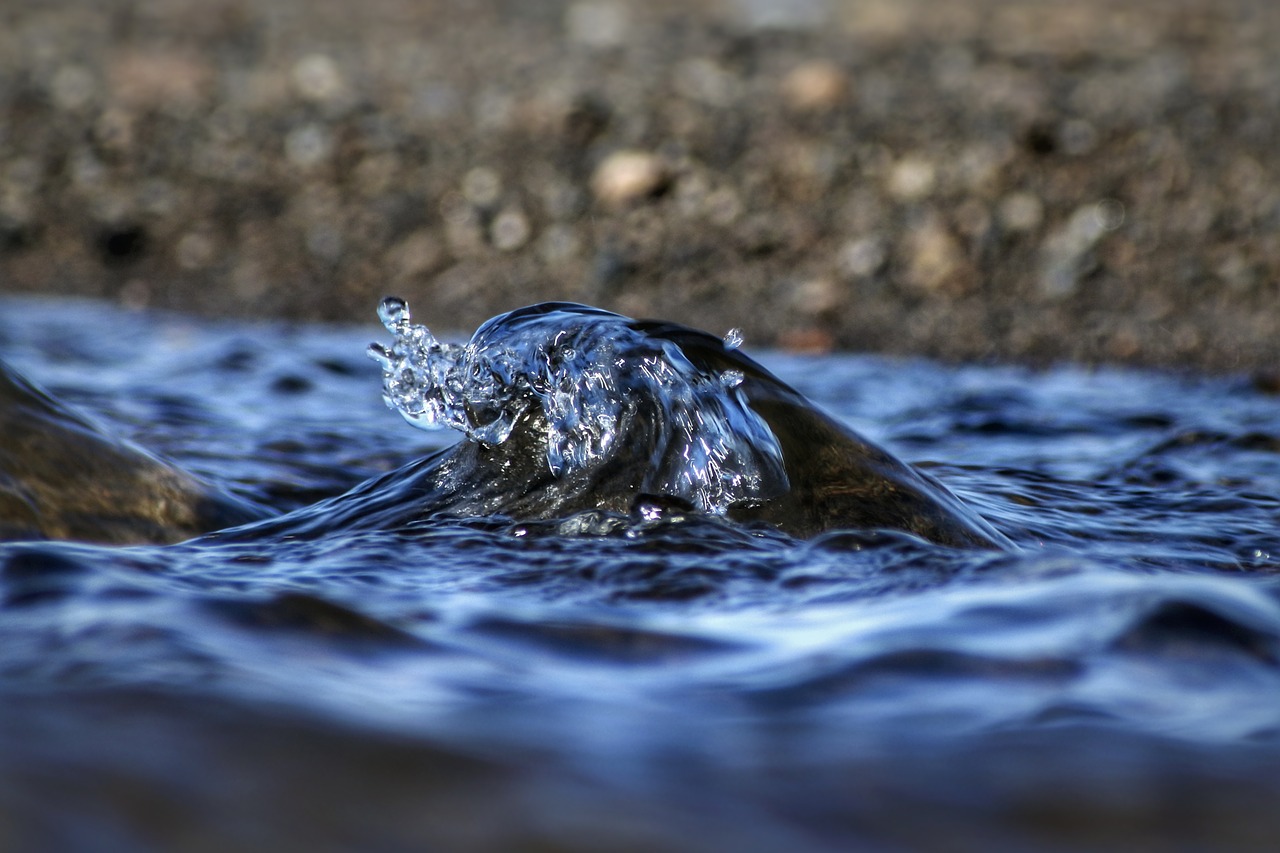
(595, 387)
(476, 681)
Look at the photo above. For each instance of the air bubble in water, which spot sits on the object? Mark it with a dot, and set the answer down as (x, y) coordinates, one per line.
(733, 339)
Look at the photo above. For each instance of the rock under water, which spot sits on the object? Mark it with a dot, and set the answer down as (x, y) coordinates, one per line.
(569, 408)
(62, 476)
(564, 408)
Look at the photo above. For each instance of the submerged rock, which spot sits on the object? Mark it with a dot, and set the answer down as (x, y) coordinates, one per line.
(569, 408)
(64, 477)
(564, 410)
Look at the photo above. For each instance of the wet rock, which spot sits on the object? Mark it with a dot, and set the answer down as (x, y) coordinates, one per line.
(64, 477)
(550, 428)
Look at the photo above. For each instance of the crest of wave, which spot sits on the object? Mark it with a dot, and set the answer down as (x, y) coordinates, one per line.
(598, 388)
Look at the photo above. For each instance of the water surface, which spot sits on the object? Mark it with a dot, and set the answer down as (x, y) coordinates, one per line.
(671, 681)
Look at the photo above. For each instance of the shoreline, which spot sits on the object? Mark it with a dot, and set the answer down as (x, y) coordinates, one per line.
(1012, 181)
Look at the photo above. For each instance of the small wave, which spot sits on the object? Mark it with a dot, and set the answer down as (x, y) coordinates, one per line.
(591, 381)
(625, 408)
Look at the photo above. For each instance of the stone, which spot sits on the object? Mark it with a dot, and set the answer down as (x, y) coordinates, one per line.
(626, 176)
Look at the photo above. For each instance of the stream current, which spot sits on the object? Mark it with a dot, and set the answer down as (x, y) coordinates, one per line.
(664, 678)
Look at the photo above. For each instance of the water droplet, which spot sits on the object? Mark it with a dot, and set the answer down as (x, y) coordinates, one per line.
(733, 339)
(381, 354)
(393, 312)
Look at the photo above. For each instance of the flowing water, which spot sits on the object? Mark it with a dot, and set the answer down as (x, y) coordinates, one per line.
(366, 675)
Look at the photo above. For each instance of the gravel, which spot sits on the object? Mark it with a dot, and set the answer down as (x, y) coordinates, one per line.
(998, 180)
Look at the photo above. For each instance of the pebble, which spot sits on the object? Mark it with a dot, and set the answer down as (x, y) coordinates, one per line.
(73, 87)
(1064, 252)
(204, 130)
(935, 258)
(559, 244)
(308, 146)
(1021, 212)
(707, 81)
(815, 86)
(195, 250)
(723, 206)
(143, 79)
(597, 23)
(316, 78)
(1077, 137)
(416, 254)
(806, 339)
(626, 176)
(815, 296)
(863, 257)
(324, 241)
(482, 186)
(912, 178)
(509, 230)
(796, 15)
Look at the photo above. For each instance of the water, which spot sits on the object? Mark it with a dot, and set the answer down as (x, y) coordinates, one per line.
(647, 676)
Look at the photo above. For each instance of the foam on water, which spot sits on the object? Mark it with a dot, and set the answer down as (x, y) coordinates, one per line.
(587, 380)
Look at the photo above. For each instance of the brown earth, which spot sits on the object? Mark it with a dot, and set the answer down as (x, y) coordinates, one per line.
(994, 179)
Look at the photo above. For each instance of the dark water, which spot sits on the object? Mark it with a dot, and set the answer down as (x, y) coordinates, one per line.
(674, 682)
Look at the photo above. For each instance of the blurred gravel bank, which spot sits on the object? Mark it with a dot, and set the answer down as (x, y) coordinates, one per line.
(993, 179)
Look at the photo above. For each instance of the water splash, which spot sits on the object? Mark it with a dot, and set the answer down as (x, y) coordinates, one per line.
(593, 388)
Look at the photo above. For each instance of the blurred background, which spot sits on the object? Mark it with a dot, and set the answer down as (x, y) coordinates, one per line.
(987, 180)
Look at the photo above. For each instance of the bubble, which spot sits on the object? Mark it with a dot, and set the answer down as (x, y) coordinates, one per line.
(733, 339)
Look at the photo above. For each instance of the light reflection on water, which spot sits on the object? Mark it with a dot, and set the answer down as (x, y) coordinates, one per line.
(694, 670)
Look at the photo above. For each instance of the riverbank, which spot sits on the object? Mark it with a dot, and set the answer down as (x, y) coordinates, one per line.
(1006, 180)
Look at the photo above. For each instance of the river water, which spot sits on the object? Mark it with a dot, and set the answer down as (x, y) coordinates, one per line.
(679, 681)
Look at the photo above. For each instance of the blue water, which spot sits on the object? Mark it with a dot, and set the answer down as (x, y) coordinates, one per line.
(677, 681)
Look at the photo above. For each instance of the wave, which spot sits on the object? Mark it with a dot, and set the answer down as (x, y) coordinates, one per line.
(563, 409)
